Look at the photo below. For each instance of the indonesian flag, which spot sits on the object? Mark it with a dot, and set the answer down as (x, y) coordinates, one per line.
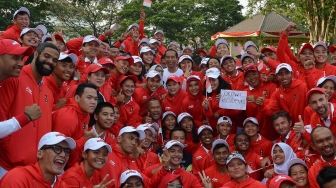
(208, 85)
(147, 3)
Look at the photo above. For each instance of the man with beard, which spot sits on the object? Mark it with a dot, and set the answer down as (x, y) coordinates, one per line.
(324, 142)
(16, 94)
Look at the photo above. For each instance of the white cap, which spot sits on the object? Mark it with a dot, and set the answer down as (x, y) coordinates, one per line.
(159, 31)
(155, 126)
(96, 143)
(204, 61)
(187, 47)
(146, 49)
(183, 115)
(213, 73)
(219, 141)
(185, 57)
(193, 77)
(320, 43)
(203, 127)
(42, 28)
(127, 174)
(152, 74)
(252, 119)
(133, 25)
(173, 43)
(168, 113)
(245, 55)
(296, 161)
(26, 30)
(21, 9)
(249, 43)
(66, 54)
(143, 127)
(53, 138)
(173, 143)
(221, 41)
(224, 119)
(130, 129)
(137, 59)
(90, 38)
(283, 65)
(144, 40)
(321, 80)
(152, 41)
(235, 156)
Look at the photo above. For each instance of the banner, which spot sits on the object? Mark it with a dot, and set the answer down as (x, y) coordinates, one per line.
(235, 100)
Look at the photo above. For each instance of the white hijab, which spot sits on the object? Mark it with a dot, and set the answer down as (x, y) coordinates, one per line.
(289, 155)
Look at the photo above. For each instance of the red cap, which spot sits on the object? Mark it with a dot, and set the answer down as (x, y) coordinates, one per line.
(132, 77)
(96, 67)
(315, 90)
(105, 61)
(332, 48)
(277, 180)
(202, 50)
(59, 37)
(130, 60)
(174, 78)
(271, 48)
(250, 68)
(12, 47)
(307, 45)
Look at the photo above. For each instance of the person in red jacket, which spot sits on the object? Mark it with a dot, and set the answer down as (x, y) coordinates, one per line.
(21, 19)
(237, 168)
(122, 65)
(202, 158)
(222, 48)
(168, 123)
(120, 159)
(298, 170)
(90, 47)
(16, 94)
(131, 178)
(29, 37)
(185, 63)
(104, 116)
(282, 181)
(326, 177)
(186, 122)
(147, 55)
(321, 58)
(73, 119)
(159, 35)
(234, 77)
(53, 153)
(323, 140)
(175, 95)
(94, 158)
(224, 128)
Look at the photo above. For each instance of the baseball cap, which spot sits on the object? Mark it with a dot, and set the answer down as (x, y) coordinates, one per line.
(137, 59)
(251, 119)
(130, 60)
(42, 28)
(144, 40)
(168, 113)
(46, 38)
(173, 43)
(154, 125)
(201, 50)
(185, 57)
(183, 115)
(123, 78)
(159, 31)
(249, 43)
(315, 90)
(187, 47)
(277, 180)
(320, 43)
(173, 143)
(21, 9)
(306, 45)
(59, 37)
(203, 127)
(221, 41)
(106, 61)
(225, 58)
(69, 54)
(26, 30)
(213, 73)
(296, 161)
(235, 156)
(96, 143)
(193, 77)
(96, 67)
(219, 141)
(130, 129)
(127, 174)
(53, 138)
(245, 55)
(90, 38)
(152, 41)
(283, 65)
(332, 48)
(174, 78)
(204, 61)
(323, 79)
(271, 48)
(152, 74)
(146, 49)
(133, 25)
(8, 46)
(224, 119)
(146, 126)
(250, 68)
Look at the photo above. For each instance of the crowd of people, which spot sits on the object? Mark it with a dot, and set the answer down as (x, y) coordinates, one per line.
(84, 113)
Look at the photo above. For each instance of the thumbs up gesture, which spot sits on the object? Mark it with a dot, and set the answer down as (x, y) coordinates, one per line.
(147, 118)
(299, 126)
(120, 97)
(260, 100)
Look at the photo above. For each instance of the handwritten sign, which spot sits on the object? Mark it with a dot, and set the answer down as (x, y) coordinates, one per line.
(235, 100)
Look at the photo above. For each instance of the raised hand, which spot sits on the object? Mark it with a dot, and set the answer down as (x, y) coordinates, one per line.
(205, 104)
(205, 180)
(34, 112)
(142, 14)
(308, 64)
(260, 100)
(166, 159)
(103, 184)
(89, 134)
(109, 32)
(187, 73)
(120, 97)
(147, 118)
(290, 27)
(299, 126)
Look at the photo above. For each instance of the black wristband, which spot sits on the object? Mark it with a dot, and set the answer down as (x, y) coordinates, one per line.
(262, 56)
(30, 119)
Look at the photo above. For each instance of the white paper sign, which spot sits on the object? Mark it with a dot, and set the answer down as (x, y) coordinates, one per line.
(235, 100)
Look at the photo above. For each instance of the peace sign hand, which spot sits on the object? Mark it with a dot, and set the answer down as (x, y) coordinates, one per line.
(205, 180)
(103, 184)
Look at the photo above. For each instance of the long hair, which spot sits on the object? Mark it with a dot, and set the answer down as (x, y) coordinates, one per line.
(164, 128)
(222, 85)
(195, 138)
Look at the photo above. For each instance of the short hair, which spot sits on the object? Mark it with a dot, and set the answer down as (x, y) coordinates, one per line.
(81, 87)
(326, 175)
(281, 113)
(317, 128)
(150, 100)
(45, 45)
(171, 50)
(289, 170)
(102, 105)
(176, 129)
(218, 146)
(235, 138)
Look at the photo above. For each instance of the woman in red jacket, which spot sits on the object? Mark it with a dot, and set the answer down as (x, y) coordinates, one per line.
(147, 56)
(186, 122)
(138, 70)
(94, 158)
(185, 63)
(169, 122)
(175, 95)
(224, 127)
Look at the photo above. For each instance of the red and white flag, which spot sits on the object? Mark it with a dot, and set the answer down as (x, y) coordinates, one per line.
(147, 3)
(208, 85)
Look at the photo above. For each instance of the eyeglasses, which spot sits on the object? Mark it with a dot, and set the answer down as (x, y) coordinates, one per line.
(171, 185)
(58, 149)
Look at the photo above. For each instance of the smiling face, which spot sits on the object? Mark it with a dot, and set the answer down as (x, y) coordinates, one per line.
(105, 118)
(324, 142)
(214, 83)
(64, 70)
(206, 137)
(213, 63)
(171, 59)
(253, 79)
(320, 54)
(46, 61)
(187, 52)
(128, 142)
(299, 175)
(229, 65)
(147, 57)
(173, 87)
(21, 20)
(194, 88)
(97, 78)
(220, 155)
(158, 36)
(278, 155)
(285, 77)
(186, 63)
(136, 69)
(169, 122)
(329, 88)
(128, 87)
(176, 155)
(154, 83)
(282, 126)
(251, 129)
(224, 129)
(154, 109)
(187, 124)
(30, 39)
(305, 55)
(96, 158)
(222, 50)
(242, 143)
(122, 66)
(11, 65)
(318, 102)
(88, 100)
(237, 169)
(94, 48)
(270, 54)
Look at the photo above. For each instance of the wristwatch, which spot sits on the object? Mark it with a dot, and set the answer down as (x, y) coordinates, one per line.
(262, 56)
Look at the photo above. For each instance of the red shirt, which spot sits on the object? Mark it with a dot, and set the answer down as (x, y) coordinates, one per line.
(202, 159)
(77, 177)
(217, 179)
(146, 160)
(314, 171)
(12, 32)
(262, 146)
(230, 140)
(58, 92)
(16, 94)
(170, 103)
(248, 183)
(254, 162)
(295, 142)
(236, 82)
(315, 119)
(190, 146)
(129, 113)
